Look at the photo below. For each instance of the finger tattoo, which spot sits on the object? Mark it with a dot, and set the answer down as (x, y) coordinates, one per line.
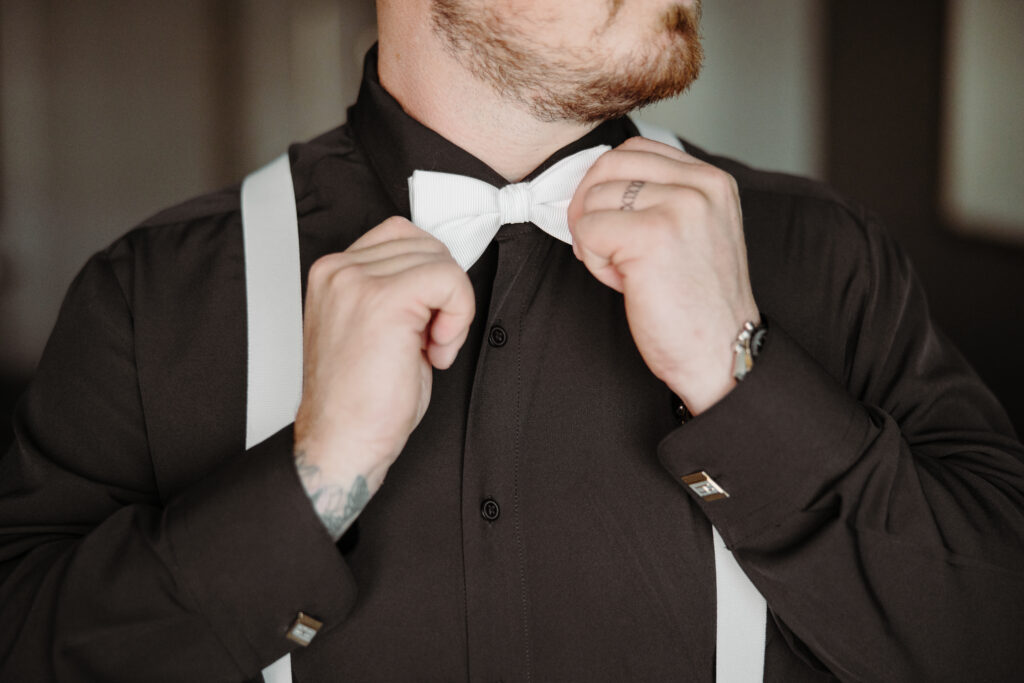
(629, 196)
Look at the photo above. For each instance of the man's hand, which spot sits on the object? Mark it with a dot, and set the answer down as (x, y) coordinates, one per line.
(665, 229)
(378, 316)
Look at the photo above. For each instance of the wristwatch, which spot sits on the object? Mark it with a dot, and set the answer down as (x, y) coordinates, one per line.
(748, 344)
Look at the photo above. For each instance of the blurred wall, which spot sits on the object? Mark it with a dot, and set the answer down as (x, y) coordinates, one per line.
(106, 110)
(982, 184)
(113, 109)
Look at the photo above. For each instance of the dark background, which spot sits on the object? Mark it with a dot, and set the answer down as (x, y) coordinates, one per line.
(885, 82)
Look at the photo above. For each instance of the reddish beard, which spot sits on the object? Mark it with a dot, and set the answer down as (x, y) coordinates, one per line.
(553, 89)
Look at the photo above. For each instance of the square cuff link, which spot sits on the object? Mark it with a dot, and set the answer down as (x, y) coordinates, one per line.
(303, 630)
(704, 486)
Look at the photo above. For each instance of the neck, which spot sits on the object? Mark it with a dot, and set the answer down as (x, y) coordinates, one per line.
(437, 91)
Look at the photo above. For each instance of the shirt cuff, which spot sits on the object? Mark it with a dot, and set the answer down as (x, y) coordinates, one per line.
(254, 554)
(773, 443)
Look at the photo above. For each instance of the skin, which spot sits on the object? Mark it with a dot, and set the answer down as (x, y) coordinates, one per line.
(381, 314)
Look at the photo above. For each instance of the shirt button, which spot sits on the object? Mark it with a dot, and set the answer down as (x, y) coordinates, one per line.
(489, 510)
(497, 337)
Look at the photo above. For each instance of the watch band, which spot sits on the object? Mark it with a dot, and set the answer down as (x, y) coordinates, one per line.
(746, 348)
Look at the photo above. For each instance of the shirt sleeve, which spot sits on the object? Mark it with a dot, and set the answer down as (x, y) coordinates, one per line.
(881, 512)
(102, 579)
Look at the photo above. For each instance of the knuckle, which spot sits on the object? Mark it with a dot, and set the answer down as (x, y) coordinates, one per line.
(395, 223)
(392, 228)
(734, 187)
(458, 279)
(449, 269)
(634, 142)
(321, 269)
(434, 245)
(719, 180)
(605, 163)
(345, 278)
(598, 195)
(731, 181)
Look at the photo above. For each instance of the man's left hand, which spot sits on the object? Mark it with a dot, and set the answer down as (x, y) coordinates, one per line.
(665, 230)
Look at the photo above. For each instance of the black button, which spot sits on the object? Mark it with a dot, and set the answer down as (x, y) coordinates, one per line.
(497, 337)
(489, 510)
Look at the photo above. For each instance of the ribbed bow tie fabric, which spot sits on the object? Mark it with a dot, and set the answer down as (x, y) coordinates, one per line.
(466, 213)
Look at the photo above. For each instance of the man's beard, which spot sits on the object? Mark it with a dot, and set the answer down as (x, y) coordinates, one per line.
(586, 87)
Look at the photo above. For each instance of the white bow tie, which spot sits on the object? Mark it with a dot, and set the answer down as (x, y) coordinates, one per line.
(466, 213)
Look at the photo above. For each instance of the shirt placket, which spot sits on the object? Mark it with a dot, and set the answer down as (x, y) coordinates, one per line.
(494, 549)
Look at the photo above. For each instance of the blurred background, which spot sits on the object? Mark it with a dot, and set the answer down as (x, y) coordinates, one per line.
(113, 109)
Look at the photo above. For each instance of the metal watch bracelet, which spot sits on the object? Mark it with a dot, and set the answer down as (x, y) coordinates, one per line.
(746, 348)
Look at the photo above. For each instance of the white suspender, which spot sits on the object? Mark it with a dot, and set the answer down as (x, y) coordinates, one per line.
(273, 290)
(741, 611)
(274, 304)
(741, 621)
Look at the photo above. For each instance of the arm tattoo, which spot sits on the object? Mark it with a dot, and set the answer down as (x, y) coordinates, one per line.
(337, 506)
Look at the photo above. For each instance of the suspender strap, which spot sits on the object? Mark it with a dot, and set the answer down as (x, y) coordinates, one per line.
(274, 303)
(273, 290)
(741, 611)
(280, 671)
(742, 614)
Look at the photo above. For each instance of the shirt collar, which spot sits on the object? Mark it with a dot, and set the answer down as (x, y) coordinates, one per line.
(396, 144)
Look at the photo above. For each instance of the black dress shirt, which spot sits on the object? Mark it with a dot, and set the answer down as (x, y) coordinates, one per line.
(535, 528)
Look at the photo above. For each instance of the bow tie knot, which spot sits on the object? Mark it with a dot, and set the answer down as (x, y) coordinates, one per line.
(466, 213)
(516, 202)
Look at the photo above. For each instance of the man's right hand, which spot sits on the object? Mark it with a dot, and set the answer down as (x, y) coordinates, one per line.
(378, 316)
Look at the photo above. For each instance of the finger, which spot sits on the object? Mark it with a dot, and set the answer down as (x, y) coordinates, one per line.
(435, 291)
(641, 208)
(642, 144)
(603, 269)
(630, 165)
(452, 326)
(393, 228)
(633, 195)
(443, 289)
(384, 250)
(620, 236)
(401, 262)
(607, 241)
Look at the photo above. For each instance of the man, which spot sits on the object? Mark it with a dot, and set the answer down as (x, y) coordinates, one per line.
(535, 523)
